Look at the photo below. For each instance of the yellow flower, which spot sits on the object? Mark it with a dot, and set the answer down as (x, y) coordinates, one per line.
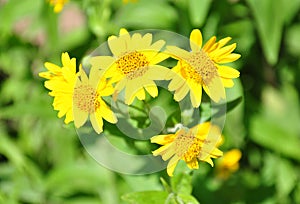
(133, 65)
(201, 67)
(229, 163)
(61, 82)
(87, 100)
(190, 145)
(58, 4)
(76, 95)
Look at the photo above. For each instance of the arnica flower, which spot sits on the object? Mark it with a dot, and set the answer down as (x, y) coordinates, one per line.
(228, 164)
(133, 66)
(87, 100)
(61, 82)
(58, 4)
(76, 96)
(203, 67)
(189, 145)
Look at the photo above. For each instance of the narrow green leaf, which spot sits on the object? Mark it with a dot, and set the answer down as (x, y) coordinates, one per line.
(269, 18)
(165, 185)
(198, 10)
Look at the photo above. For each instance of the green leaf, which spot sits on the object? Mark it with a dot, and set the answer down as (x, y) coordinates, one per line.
(11, 150)
(269, 18)
(198, 10)
(146, 14)
(286, 177)
(292, 37)
(146, 197)
(184, 198)
(277, 127)
(265, 133)
(181, 183)
(219, 109)
(181, 198)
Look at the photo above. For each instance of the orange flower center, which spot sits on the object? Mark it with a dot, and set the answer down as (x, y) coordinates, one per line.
(86, 98)
(187, 145)
(133, 64)
(199, 67)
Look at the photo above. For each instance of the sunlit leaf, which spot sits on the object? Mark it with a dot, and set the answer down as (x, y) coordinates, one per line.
(269, 26)
(146, 197)
(286, 178)
(181, 183)
(198, 10)
(146, 14)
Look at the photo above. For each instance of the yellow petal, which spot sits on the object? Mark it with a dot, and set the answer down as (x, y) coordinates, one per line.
(208, 160)
(80, 117)
(69, 116)
(231, 157)
(181, 92)
(101, 62)
(228, 83)
(228, 72)
(172, 164)
(123, 31)
(97, 122)
(193, 164)
(83, 77)
(223, 51)
(106, 113)
(169, 152)
(157, 45)
(163, 139)
(153, 70)
(228, 58)
(140, 94)
(159, 57)
(151, 89)
(178, 52)
(209, 44)
(176, 83)
(215, 89)
(52, 67)
(130, 91)
(116, 45)
(136, 42)
(65, 59)
(223, 42)
(147, 40)
(195, 94)
(196, 40)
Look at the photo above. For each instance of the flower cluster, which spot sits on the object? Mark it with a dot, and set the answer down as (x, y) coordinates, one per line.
(133, 68)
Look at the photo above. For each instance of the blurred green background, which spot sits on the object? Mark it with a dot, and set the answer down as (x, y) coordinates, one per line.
(42, 159)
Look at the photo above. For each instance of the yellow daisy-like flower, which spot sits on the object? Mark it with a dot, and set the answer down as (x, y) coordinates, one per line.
(58, 4)
(229, 163)
(202, 67)
(76, 95)
(61, 82)
(190, 145)
(133, 65)
(87, 100)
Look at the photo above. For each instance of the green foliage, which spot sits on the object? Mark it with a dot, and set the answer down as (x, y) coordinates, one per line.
(42, 159)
